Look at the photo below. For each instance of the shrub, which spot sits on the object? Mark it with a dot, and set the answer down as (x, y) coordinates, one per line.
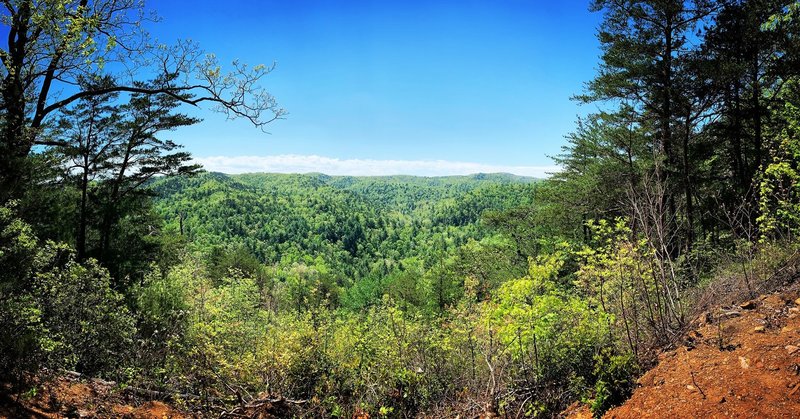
(56, 313)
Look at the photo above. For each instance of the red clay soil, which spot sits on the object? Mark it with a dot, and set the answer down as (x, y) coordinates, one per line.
(70, 397)
(577, 410)
(746, 366)
(65, 397)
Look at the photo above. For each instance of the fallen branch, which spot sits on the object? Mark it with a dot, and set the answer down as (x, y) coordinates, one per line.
(697, 386)
(691, 373)
(261, 402)
(164, 395)
(246, 411)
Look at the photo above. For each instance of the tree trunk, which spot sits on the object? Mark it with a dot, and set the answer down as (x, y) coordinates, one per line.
(687, 186)
(82, 218)
(736, 139)
(756, 105)
(666, 137)
(15, 144)
(113, 200)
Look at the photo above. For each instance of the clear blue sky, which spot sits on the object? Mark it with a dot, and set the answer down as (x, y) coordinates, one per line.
(484, 82)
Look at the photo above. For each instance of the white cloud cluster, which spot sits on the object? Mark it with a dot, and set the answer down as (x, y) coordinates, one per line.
(294, 163)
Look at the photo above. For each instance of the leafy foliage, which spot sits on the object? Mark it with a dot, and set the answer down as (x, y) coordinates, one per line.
(57, 313)
(779, 187)
(397, 295)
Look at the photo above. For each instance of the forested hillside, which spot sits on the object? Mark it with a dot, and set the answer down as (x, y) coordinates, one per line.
(398, 296)
(353, 231)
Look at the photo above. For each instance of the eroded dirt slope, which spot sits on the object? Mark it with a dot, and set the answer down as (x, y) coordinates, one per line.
(744, 365)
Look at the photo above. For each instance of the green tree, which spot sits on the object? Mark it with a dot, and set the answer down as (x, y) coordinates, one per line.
(780, 181)
(87, 128)
(56, 312)
(52, 44)
(645, 45)
(136, 154)
(111, 152)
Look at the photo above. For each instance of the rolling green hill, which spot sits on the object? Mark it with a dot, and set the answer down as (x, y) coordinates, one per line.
(354, 224)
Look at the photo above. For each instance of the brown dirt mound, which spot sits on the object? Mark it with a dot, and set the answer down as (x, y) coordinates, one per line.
(66, 397)
(746, 365)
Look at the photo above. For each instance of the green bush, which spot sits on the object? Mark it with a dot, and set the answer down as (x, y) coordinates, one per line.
(56, 313)
(550, 334)
(615, 380)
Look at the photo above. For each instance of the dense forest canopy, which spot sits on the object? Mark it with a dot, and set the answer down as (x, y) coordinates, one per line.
(391, 296)
(357, 230)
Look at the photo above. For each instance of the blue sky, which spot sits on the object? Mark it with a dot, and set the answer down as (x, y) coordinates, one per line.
(426, 88)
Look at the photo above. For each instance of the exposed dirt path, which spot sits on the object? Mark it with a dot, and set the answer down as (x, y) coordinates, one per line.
(745, 366)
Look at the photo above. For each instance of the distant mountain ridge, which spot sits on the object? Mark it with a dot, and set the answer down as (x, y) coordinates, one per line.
(495, 176)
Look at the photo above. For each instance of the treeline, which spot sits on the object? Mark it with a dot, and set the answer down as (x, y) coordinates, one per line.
(694, 147)
(698, 116)
(392, 296)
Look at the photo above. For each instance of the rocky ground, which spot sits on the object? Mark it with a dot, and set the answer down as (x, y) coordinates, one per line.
(741, 361)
